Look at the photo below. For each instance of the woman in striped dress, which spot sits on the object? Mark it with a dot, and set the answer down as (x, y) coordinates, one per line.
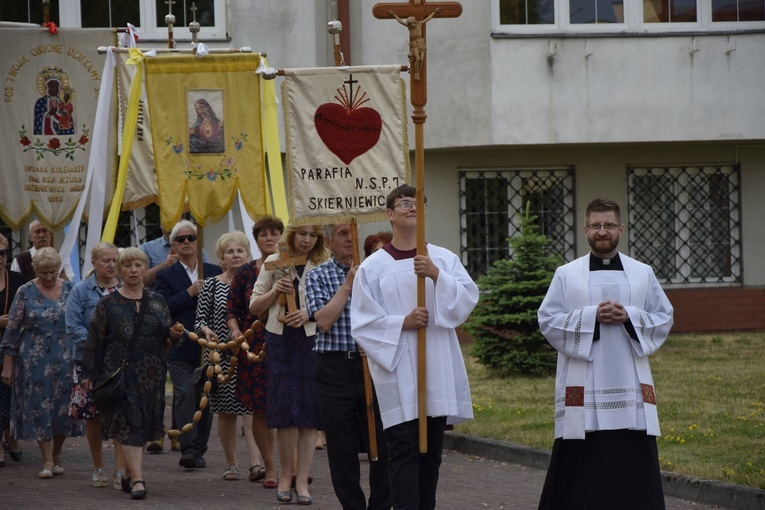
(233, 250)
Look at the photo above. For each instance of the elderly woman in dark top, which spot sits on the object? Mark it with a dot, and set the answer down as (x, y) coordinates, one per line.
(38, 362)
(131, 325)
(10, 281)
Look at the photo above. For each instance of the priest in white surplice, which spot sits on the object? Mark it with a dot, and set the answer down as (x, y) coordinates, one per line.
(384, 322)
(604, 313)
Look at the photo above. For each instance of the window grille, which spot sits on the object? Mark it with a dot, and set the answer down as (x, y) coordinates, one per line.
(136, 227)
(686, 220)
(490, 201)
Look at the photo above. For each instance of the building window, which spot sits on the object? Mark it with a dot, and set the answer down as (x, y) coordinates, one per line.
(148, 16)
(547, 17)
(27, 11)
(686, 220)
(596, 11)
(490, 201)
(527, 12)
(738, 10)
(669, 11)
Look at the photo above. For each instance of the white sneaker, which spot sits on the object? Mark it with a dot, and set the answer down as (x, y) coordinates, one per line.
(99, 477)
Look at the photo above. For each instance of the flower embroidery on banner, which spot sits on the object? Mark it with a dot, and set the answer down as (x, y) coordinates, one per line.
(54, 146)
(225, 169)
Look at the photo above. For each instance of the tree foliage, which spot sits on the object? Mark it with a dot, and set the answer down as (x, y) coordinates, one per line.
(504, 323)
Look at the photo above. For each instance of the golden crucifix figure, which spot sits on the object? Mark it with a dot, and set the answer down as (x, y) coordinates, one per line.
(417, 46)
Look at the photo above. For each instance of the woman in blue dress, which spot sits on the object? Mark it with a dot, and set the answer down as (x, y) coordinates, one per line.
(38, 362)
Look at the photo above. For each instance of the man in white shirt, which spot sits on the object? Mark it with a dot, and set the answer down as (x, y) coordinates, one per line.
(384, 322)
(604, 313)
(39, 237)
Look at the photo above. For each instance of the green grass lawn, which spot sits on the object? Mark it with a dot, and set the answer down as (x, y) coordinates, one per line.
(711, 397)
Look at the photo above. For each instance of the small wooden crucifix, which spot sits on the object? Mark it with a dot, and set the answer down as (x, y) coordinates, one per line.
(414, 15)
(285, 265)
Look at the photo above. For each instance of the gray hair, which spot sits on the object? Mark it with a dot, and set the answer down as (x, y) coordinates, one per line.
(181, 225)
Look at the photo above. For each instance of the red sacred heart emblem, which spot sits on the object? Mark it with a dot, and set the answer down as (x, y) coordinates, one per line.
(347, 132)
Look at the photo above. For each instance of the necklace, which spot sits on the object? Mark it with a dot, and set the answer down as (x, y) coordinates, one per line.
(51, 293)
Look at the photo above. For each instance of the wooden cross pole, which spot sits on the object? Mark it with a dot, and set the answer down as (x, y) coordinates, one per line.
(414, 15)
(335, 28)
(46, 11)
(285, 264)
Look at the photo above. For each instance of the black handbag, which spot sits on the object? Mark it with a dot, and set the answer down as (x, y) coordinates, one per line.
(110, 388)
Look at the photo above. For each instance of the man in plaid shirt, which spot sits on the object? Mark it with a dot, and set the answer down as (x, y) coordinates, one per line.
(340, 377)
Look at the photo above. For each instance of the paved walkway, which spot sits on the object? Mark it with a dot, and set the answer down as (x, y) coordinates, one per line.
(467, 482)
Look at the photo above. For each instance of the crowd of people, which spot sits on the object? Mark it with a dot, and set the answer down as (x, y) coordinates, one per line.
(338, 341)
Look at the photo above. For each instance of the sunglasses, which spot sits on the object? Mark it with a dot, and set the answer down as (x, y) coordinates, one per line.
(4, 253)
(182, 239)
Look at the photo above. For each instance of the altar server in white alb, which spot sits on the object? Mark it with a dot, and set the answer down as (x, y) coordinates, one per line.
(384, 322)
(604, 313)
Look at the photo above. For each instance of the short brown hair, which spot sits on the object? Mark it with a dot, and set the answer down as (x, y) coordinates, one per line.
(403, 191)
(267, 223)
(603, 205)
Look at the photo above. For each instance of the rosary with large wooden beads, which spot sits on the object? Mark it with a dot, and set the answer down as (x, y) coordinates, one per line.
(236, 346)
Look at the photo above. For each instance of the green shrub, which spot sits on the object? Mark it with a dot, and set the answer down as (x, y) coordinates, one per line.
(504, 323)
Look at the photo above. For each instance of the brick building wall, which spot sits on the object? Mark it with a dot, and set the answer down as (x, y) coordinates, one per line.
(722, 309)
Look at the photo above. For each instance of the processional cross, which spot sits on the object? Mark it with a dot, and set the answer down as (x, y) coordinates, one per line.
(285, 265)
(170, 21)
(414, 15)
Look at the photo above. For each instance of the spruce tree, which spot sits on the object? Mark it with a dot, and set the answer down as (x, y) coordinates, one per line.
(504, 323)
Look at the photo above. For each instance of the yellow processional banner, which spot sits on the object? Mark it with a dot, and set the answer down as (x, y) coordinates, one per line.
(51, 87)
(206, 131)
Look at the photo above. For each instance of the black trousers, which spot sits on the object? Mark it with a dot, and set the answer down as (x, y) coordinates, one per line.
(414, 475)
(185, 404)
(344, 416)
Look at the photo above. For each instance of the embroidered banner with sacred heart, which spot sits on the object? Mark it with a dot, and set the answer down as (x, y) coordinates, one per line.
(347, 142)
(206, 132)
(51, 86)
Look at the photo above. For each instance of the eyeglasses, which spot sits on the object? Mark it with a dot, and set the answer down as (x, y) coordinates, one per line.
(4, 253)
(192, 238)
(595, 227)
(406, 205)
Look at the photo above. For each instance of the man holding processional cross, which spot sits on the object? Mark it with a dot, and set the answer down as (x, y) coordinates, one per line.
(391, 311)
(385, 320)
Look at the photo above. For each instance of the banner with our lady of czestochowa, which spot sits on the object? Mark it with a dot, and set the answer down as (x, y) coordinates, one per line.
(50, 92)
